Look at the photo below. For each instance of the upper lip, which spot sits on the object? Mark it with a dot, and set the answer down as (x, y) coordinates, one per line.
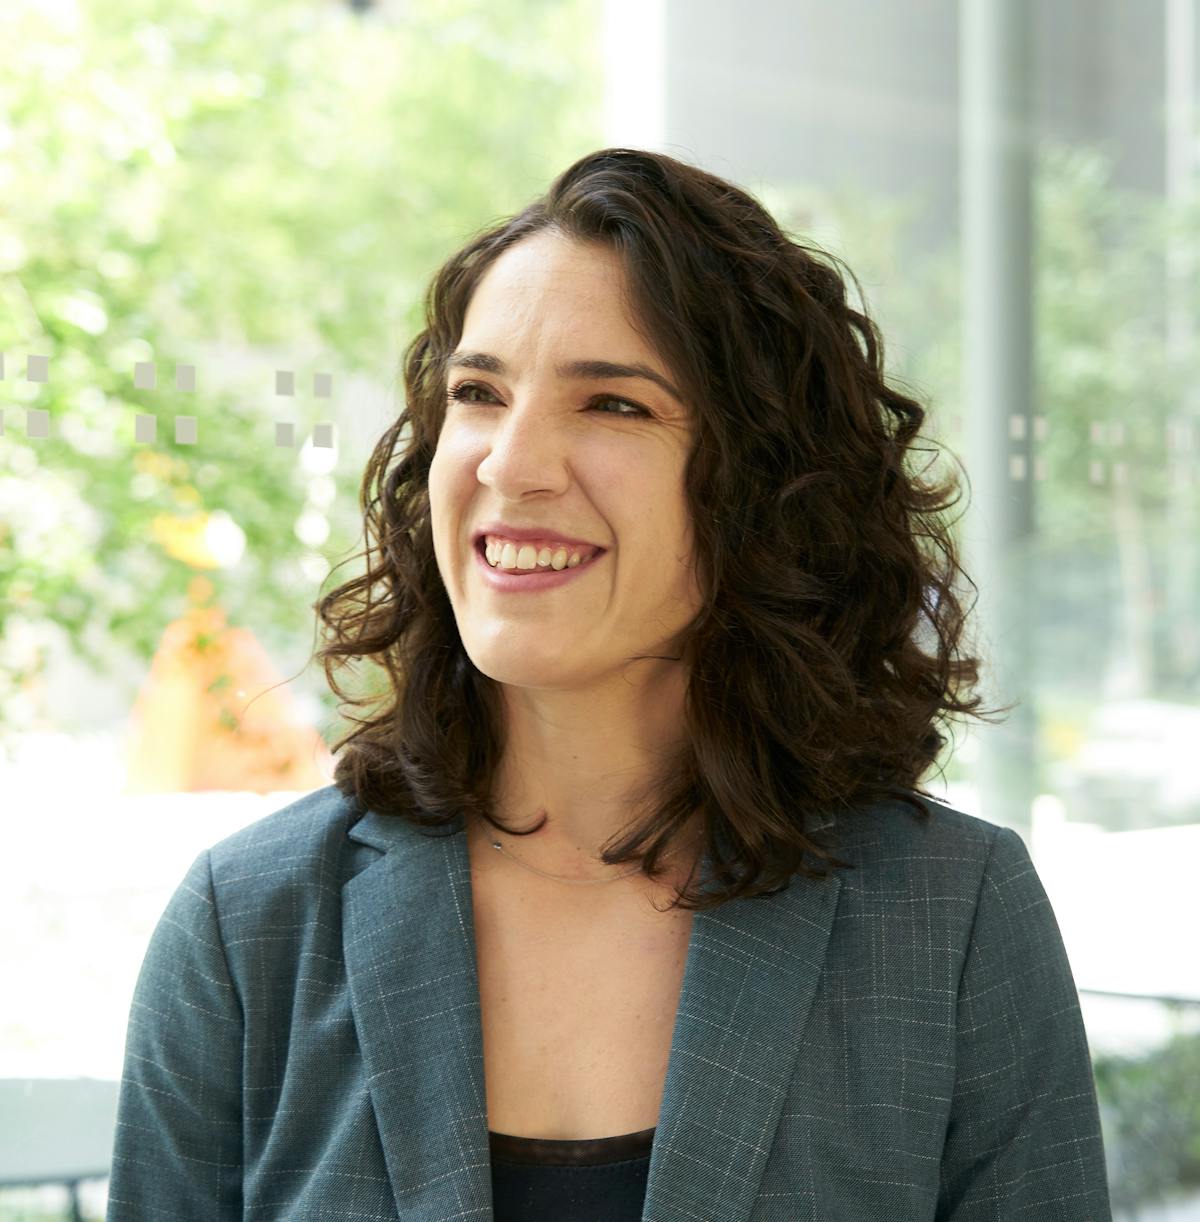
(528, 534)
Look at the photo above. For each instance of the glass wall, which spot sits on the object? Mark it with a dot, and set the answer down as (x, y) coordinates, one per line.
(218, 222)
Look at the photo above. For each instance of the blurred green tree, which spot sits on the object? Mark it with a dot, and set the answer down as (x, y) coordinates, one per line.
(245, 190)
(1150, 1113)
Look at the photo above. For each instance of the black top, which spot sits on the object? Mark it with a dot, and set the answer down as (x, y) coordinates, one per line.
(601, 1179)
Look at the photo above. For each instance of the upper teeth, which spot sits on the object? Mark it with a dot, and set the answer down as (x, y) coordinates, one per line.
(504, 554)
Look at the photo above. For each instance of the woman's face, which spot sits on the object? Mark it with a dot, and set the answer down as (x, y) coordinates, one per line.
(533, 449)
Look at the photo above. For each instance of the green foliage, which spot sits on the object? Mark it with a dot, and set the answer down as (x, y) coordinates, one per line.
(244, 189)
(1150, 1111)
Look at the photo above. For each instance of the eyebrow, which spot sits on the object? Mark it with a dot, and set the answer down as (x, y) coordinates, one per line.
(570, 369)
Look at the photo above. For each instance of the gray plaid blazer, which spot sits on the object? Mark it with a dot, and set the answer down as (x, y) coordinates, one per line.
(899, 1042)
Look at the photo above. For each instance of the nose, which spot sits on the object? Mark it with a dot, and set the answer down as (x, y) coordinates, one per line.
(524, 454)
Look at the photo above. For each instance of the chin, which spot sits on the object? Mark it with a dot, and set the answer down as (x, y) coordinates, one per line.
(527, 670)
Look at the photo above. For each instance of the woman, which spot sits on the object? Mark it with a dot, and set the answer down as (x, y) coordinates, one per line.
(647, 596)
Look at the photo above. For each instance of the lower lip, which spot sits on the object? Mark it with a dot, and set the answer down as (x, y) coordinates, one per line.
(535, 580)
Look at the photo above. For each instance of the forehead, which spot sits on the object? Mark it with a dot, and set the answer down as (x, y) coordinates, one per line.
(554, 300)
(548, 286)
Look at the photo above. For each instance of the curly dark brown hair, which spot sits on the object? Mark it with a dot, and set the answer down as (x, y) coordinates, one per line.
(808, 694)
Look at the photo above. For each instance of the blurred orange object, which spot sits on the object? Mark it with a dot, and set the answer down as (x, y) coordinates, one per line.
(194, 726)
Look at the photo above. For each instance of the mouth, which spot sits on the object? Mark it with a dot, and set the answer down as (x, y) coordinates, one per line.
(481, 549)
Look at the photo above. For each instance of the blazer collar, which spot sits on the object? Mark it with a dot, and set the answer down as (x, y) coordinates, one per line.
(409, 947)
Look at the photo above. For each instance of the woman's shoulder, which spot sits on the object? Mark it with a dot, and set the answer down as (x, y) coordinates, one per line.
(289, 860)
(292, 837)
(894, 850)
(894, 827)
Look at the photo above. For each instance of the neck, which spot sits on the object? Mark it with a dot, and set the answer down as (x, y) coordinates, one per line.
(538, 870)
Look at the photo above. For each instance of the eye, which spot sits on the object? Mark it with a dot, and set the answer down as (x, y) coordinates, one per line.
(460, 392)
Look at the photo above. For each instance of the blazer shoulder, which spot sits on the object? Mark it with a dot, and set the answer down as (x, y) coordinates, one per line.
(897, 853)
(893, 829)
(302, 847)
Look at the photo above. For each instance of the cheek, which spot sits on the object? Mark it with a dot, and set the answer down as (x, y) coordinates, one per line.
(444, 458)
(451, 474)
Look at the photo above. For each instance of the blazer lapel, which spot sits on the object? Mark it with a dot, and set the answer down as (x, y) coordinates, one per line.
(408, 941)
(409, 948)
(751, 975)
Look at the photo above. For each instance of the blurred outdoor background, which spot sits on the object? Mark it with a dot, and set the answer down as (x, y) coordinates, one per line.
(216, 224)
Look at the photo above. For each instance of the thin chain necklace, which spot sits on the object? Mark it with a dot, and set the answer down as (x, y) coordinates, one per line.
(557, 877)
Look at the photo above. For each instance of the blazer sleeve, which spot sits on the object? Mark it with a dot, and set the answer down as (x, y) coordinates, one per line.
(177, 1150)
(1023, 1139)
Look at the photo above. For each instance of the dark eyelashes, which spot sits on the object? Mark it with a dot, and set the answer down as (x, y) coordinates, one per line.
(459, 394)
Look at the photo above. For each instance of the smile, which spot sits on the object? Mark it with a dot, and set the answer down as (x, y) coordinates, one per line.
(530, 581)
